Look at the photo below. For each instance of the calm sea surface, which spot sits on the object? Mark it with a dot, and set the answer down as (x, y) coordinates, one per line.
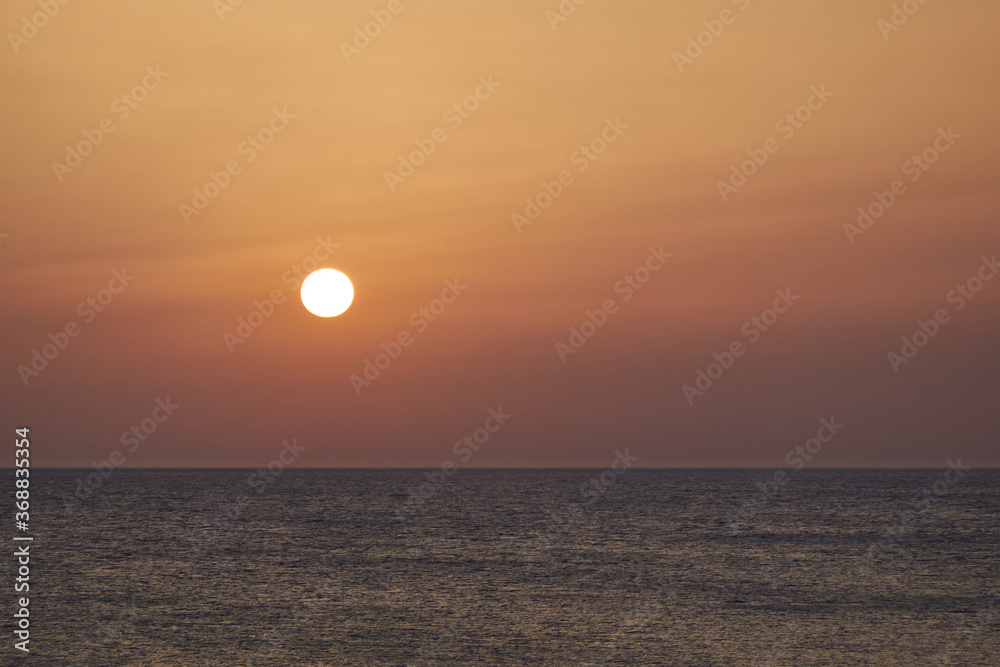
(518, 567)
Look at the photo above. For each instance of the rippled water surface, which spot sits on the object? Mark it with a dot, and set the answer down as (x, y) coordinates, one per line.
(516, 567)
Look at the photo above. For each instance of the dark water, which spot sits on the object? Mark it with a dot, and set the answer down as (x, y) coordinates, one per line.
(515, 567)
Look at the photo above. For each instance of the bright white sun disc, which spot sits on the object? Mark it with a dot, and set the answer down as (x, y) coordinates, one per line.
(327, 292)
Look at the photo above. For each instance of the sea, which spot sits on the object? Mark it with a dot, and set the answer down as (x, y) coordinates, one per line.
(622, 566)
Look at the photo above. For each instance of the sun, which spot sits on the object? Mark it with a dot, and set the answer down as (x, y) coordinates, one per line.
(327, 292)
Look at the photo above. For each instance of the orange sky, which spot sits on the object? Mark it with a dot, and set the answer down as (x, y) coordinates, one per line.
(342, 125)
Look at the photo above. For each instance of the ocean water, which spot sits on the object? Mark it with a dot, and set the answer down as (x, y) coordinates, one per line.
(515, 567)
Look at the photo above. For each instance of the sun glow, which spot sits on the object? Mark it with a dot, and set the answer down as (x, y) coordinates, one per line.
(327, 292)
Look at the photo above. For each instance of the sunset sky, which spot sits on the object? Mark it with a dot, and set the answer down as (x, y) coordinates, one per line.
(206, 88)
